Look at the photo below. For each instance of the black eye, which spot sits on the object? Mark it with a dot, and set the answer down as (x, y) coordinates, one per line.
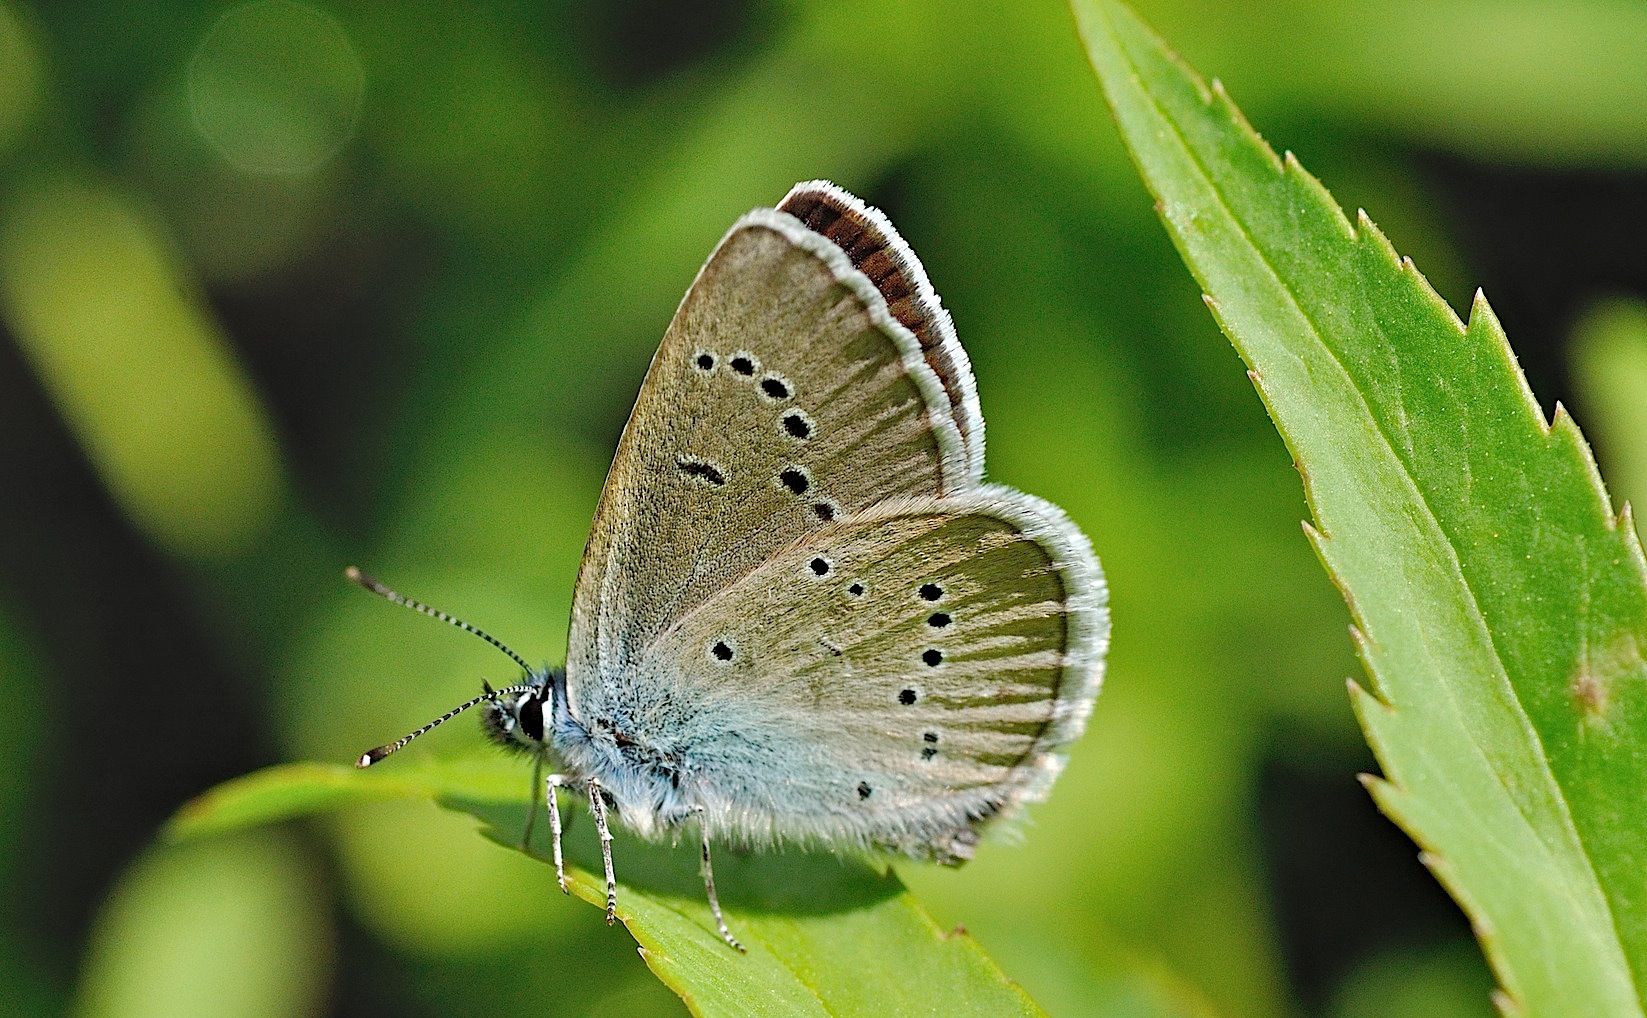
(529, 713)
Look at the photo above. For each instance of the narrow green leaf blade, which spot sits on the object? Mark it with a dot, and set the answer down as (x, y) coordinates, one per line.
(1500, 604)
(826, 936)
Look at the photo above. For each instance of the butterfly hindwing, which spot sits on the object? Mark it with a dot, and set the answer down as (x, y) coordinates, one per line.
(894, 679)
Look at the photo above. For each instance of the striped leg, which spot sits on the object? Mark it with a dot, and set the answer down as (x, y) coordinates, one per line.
(709, 885)
(597, 805)
(554, 782)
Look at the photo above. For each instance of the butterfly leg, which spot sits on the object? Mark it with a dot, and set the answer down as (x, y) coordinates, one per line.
(532, 807)
(554, 782)
(597, 806)
(709, 885)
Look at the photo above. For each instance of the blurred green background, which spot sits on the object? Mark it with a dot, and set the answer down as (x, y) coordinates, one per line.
(287, 286)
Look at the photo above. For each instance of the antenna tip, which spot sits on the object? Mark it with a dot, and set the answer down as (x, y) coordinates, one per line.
(354, 575)
(371, 757)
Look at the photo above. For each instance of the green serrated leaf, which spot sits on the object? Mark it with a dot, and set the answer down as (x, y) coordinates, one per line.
(1501, 606)
(826, 936)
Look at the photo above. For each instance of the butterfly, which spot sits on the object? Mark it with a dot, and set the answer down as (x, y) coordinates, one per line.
(802, 614)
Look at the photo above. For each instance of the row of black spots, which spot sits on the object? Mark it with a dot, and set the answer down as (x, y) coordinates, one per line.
(773, 386)
(701, 471)
(932, 657)
(930, 750)
(740, 363)
(796, 481)
(820, 567)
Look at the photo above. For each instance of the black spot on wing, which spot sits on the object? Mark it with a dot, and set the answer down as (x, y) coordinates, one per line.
(701, 470)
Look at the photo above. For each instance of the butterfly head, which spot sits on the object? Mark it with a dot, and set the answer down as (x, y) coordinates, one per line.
(519, 717)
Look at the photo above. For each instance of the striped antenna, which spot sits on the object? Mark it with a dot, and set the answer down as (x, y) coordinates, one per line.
(373, 756)
(356, 576)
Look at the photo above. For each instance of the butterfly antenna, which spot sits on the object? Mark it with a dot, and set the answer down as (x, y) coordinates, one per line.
(356, 576)
(373, 756)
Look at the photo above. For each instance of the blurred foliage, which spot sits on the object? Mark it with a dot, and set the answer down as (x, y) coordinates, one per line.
(290, 285)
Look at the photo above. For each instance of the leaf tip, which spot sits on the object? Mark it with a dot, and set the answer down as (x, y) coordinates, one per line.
(1625, 520)
(1479, 308)
(1363, 700)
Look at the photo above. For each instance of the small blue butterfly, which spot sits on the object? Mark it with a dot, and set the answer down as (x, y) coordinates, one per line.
(802, 615)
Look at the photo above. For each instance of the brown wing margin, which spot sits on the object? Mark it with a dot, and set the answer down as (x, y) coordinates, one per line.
(867, 237)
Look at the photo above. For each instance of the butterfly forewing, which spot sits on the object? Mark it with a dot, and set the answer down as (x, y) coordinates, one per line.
(905, 673)
(875, 249)
(783, 398)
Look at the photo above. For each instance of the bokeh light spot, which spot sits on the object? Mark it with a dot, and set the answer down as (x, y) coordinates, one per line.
(275, 87)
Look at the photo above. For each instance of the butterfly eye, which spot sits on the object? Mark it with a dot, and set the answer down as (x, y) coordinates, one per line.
(529, 713)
